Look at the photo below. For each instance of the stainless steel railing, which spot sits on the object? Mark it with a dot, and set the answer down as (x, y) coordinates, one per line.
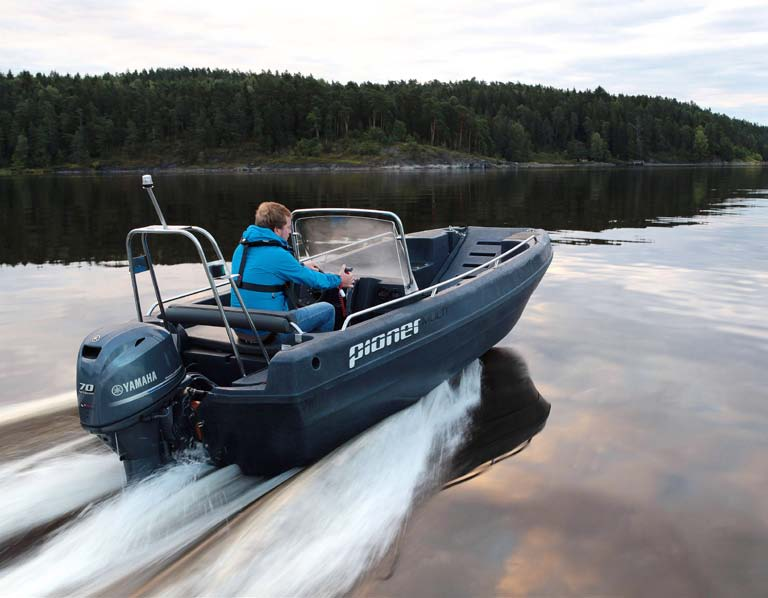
(155, 305)
(432, 290)
(218, 266)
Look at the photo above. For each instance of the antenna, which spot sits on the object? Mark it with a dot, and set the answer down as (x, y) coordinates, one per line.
(147, 184)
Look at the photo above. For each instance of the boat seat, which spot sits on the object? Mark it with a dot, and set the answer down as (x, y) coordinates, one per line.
(194, 314)
(214, 338)
(428, 251)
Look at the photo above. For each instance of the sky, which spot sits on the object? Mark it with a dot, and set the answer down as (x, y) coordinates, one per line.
(713, 53)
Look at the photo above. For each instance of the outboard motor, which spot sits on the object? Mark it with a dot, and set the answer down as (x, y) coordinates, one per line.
(129, 384)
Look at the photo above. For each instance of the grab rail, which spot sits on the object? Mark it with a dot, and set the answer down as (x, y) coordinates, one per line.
(432, 290)
(213, 269)
(187, 294)
(219, 264)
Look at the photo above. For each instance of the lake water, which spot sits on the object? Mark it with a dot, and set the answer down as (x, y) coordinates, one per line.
(648, 336)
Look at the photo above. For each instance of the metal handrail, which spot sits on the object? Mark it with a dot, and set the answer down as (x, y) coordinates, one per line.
(187, 231)
(432, 290)
(355, 211)
(187, 294)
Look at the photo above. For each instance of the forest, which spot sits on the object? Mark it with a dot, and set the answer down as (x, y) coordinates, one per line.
(195, 116)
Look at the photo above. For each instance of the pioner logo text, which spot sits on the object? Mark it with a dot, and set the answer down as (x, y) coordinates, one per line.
(378, 342)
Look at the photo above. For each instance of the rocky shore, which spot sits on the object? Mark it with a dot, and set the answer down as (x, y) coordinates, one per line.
(329, 165)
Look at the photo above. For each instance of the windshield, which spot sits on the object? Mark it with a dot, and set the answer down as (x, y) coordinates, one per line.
(369, 245)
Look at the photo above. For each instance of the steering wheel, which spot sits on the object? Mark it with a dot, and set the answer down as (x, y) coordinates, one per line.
(307, 296)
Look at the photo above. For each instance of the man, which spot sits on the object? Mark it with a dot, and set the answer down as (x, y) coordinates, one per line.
(269, 265)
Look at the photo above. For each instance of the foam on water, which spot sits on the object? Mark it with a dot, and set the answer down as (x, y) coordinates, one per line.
(140, 526)
(319, 534)
(145, 525)
(39, 489)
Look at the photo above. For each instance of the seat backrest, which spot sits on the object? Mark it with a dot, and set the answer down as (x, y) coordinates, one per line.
(194, 314)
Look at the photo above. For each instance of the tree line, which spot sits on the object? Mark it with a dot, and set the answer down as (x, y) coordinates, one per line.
(59, 120)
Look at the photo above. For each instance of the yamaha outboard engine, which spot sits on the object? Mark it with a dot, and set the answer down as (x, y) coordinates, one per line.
(129, 380)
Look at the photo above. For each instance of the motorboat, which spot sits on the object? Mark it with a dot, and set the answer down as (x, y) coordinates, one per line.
(425, 305)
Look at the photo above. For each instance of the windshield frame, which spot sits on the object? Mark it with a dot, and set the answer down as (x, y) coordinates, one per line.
(379, 215)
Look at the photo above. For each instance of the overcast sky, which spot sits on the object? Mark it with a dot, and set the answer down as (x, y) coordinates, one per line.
(711, 53)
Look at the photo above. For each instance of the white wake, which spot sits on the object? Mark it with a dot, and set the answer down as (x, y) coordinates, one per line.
(320, 533)
(144, 525)
(317, 536)
(42, 488)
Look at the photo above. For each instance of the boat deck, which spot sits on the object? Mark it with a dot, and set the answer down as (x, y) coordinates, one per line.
(480, 245)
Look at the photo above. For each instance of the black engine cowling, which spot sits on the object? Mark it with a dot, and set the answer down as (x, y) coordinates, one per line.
(129, 380)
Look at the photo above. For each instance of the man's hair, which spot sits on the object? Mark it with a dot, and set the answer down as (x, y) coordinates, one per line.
(271, 214)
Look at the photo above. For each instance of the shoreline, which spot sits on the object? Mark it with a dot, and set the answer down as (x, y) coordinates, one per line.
(309, 167)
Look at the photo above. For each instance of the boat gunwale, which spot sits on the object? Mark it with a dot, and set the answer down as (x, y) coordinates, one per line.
(432, 290)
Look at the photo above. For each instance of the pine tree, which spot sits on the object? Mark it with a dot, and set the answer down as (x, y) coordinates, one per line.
(21, 152)
(79, 150)
(72, 118)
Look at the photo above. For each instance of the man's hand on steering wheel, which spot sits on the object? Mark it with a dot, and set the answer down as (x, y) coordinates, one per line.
(347, 280)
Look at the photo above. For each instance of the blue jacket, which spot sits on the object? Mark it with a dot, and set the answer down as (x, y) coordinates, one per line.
(273, 266)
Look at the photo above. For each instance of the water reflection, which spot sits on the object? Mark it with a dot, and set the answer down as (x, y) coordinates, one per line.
(76, 218)
(649, 477)
(648, 335)
(511, 412)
